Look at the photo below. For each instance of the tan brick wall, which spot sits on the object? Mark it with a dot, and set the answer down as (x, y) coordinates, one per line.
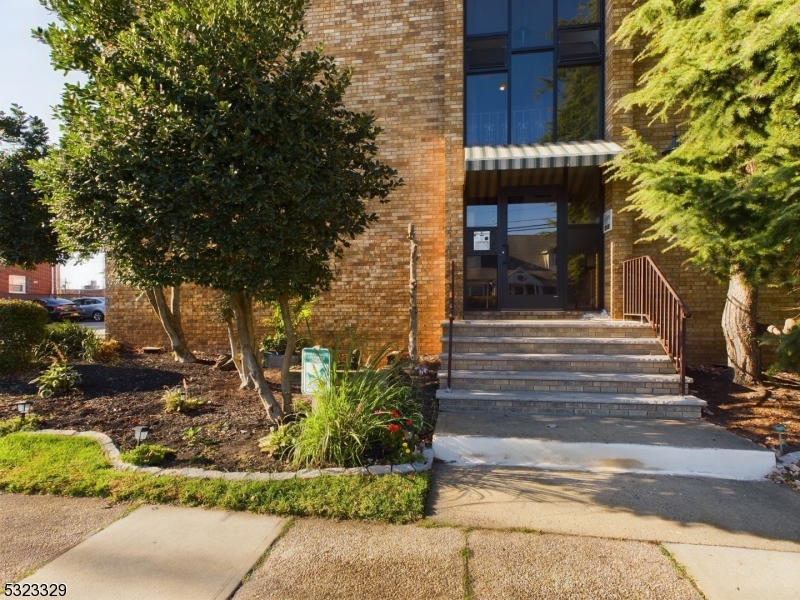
(397, 48)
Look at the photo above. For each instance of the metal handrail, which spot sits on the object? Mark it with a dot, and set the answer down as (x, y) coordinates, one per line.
(647, 293)
(451, 315)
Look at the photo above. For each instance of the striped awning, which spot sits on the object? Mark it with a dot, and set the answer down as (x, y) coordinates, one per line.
(540, 156)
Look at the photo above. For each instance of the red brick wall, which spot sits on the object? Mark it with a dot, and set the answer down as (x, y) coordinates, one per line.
(39, 282)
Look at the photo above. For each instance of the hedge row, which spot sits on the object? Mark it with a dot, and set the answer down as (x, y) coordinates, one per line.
(22, 328)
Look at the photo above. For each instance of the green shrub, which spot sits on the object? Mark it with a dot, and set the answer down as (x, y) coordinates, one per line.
(148, 455)
(58, 378)
(22, 328)
(301, 316)
(69, 340)
(178, 399)
(787, 354)
(14, 424)
(359, 413)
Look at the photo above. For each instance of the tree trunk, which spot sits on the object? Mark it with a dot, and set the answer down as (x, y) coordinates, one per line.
(170, 318)
(291, 338)
(242, 306)
(739, 327)
(236, 353)
(412, 291)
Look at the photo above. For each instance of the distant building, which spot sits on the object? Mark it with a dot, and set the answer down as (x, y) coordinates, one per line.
(22, 284)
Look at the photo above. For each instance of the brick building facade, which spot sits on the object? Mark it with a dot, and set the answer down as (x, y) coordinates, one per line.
(415, 62)
(22, 284)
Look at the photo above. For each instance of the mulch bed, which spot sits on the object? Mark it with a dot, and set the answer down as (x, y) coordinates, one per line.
(222, 434)
(751, 413)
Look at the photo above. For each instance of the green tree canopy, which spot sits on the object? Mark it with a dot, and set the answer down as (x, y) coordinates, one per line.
(27, 236)
(207, 147)
(730, 70)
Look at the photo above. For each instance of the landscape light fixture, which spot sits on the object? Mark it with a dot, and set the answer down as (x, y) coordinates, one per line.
(673, 143)
(24, 407)
(780, 429)
(140, 433)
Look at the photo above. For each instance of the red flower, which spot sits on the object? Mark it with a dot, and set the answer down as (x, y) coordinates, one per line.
(408, 422)
(393, 428)
(396, 414)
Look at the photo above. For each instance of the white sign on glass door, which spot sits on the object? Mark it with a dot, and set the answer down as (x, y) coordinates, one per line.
(480, 240)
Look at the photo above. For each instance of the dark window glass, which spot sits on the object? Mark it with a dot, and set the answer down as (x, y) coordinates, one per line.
(532, 98)
(583, 281)
(481, 282)
(577, 12)
(579, 45)
(487, 110)
(579, 103)
(531, 23)
(487, 52)
(585, 202)
(486, 16)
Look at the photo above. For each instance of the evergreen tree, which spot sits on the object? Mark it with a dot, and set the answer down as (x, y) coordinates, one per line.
(730, 70)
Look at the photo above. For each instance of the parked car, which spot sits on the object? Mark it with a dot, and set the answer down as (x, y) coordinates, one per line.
(92, 308)
(59, 309)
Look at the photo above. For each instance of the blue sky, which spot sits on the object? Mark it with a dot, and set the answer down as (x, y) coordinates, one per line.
(27, 79)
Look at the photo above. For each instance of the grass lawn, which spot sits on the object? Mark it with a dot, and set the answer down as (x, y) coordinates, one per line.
(69, 466)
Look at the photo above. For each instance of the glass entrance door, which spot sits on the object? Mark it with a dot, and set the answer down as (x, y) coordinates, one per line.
(531, 270)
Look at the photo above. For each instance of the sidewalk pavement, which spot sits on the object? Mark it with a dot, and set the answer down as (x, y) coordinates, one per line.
(501, 533)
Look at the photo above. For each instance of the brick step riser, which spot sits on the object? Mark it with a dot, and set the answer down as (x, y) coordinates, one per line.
(535, 385)
(540, 348)
(535, 366)
(572, 409)
(561, 331)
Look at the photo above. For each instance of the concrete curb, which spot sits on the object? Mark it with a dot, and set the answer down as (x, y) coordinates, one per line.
(112, 453)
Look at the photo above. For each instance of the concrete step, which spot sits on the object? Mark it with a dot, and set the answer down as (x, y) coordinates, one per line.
(572, 403)
(655, 446)
(525, 315)
(506, 361)
(563, 381)
(575, 328)
(555, 345)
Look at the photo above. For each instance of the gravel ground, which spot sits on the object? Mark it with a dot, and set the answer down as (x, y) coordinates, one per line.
(523, 565)
(36, 529)
(328, 559)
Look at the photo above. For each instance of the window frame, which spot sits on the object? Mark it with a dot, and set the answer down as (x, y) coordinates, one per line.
(557, 63)
(12, 285)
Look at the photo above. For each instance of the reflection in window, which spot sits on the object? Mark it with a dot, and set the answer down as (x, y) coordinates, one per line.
(579, 103)
(486, 16)
(585, 202)
(480, 280)
(487, 52)
(583, 283)
(577, 12)
(482, 216)
(487, 111)
(531, 23)
(532, 98)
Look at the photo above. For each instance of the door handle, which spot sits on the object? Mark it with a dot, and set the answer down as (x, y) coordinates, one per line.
(504, 254)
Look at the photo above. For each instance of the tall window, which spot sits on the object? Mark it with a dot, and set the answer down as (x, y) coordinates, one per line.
(16, 284)
(534, 71)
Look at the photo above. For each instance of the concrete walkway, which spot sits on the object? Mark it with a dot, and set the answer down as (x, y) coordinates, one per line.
(737, 539)
(164, 552)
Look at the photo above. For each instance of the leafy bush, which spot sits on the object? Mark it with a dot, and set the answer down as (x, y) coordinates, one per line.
(301, 315)
(108, 350)
(58, 378)
(787, 354)
(178, 399)
(148, 455)
(22, 328)
(14, 424)
(69, 340)
(361, 414)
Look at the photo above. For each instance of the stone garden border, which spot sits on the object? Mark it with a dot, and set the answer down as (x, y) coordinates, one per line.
(112, 453)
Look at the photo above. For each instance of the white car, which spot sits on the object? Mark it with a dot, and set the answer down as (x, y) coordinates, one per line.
(92, 308)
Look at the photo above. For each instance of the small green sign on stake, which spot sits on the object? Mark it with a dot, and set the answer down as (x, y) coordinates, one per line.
(316, 364)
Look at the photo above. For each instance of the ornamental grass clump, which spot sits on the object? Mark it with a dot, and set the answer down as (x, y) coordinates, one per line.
(363, 415)
(178, 399)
